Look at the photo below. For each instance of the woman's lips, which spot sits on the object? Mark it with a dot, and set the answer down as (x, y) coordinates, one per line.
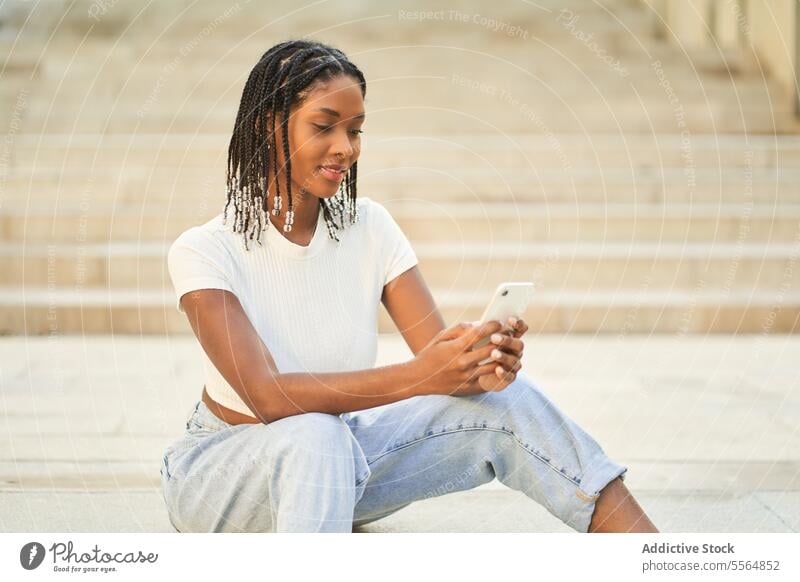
(331, 175)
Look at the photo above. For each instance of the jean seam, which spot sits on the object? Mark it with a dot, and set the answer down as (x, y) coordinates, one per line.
(584, 496)
(431, 434)
(209, 428)
(205, 426)
(215, 425)
(165, 468)
(588, 497)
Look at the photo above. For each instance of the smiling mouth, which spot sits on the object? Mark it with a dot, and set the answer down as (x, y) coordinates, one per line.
(332, 175)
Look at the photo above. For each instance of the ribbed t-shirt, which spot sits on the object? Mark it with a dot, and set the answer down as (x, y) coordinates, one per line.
(315, 307)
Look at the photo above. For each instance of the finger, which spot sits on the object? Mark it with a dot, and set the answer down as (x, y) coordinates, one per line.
(486, 369)
(487, 353)
(519, 326)
(493, 384)
(456, 330)
(507, 343)
(507, 373)
(482, 353)
(478, 332)
(503, 378)
(507, 361)
(508, 376)
(516, 355)
(498, 357)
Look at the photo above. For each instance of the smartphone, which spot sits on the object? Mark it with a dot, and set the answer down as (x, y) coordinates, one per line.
(509, 300)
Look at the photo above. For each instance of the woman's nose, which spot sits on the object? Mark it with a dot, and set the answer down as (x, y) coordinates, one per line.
(343, 148)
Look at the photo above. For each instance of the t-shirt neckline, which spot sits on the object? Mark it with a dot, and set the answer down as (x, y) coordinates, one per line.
(288, 248)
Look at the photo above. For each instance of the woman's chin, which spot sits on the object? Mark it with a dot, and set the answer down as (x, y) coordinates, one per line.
(330, 194)
(324, 191)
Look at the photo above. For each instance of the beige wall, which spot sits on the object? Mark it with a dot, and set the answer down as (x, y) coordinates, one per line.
(774, 36)
(767, 26)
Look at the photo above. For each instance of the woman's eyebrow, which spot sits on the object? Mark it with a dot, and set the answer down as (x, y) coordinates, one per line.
(335, 113)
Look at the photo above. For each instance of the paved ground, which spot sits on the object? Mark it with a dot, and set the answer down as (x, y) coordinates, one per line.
(707, 426)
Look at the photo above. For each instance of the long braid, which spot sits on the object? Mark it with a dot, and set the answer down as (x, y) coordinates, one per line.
(289, 94)
(282, 78)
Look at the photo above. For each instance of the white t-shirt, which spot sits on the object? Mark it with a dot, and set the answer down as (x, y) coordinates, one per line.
(315, 307)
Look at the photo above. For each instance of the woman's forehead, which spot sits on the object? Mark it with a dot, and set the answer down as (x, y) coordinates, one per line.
(340, 99)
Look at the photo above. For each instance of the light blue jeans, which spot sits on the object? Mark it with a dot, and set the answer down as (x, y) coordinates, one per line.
(318, 472)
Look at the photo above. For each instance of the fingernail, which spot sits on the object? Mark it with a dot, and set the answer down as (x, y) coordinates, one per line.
(513, 321)
(497, 338)
(496, 354)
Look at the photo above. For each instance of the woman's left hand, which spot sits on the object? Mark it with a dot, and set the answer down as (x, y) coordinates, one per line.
(510, 343)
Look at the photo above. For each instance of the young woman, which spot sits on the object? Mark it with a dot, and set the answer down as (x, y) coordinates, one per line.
(296, 429)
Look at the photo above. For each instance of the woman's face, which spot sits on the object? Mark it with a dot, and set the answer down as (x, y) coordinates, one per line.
(323, 131)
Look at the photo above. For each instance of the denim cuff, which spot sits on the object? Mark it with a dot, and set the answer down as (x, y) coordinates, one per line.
(597, 475)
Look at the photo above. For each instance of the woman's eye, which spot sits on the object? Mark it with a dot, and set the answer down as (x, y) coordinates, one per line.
(328, 127)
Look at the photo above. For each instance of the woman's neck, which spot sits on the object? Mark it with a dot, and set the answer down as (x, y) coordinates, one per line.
(306, 214)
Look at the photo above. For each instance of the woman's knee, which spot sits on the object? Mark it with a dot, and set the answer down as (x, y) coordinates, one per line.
(319, 440)
(310, 432)
(520, 398)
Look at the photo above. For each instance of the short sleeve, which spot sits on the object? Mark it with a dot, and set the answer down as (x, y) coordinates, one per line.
(397, 254)
(198, 260)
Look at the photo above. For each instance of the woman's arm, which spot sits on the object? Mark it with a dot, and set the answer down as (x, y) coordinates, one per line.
(412, 308)
(235, 348)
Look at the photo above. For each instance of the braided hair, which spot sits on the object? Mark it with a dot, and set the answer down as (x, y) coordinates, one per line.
(283, 77)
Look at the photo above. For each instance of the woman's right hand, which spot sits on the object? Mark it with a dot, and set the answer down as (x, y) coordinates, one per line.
(448, 365)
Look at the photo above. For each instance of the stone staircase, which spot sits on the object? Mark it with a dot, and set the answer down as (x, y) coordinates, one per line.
(661, 194)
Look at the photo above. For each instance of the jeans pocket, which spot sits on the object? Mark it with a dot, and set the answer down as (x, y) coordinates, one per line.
(173, 452)
(165, 468)
(166, 472)
(195, 425)
(202, 420)
(167, 489)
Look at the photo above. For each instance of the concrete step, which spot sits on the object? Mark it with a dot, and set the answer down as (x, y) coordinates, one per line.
(219, 66)
(607, 178)
(72, 467)
(544, 56)
(73, 474)
(553, 47)
(444, 185)
(429, 117)
(144, 152)
(562, 53)
(220, 80)
(667, 387)
(605, 111)
(37, 311)
(225, 20)
(460, 264)
(230, 45)
(121, 510)
(216, 84)
(423, 221)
